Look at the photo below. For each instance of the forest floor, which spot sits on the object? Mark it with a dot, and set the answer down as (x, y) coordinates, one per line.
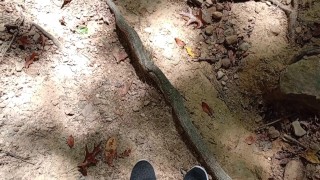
(93, 93)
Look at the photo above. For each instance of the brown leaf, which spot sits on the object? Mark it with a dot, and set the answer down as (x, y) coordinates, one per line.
(124, 90)
(65, 2)
(125, 153)
(250, 140)
(22, 41)
(179, 42)
(111, 151)
(90, 159)
(207, 109)
(311, 156)
(70, 141)
(30, 59)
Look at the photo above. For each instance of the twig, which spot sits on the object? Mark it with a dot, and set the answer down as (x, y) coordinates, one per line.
(13, 38)
(273, 122)
(210, 60)
(307, 52)
(7, 153)
(292, 140)
(48, 35)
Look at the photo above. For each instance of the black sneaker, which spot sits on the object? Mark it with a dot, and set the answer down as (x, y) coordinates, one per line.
(196, 173)
(143, 170)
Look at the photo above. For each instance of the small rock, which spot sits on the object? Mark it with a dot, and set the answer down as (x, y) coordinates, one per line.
(236, 76)
(298, 29)
(135, 109)
(273, 133)
(55, 102)
(231, 39)
(209, 2)
(225, 88)
(288, 2)
(79, 44)
(268, 3)
(229, 32)
(220, 74)
(146, 103)
(148, 30)
(142, 115)
(275, 27)
(223, 83)
(69, 111)
(225, 62)
(1, 42)
(19, 67)
(217, 15)
(206, 16)
(298, 130)
(244, 46)
(294, 170)
(225, 78)
(209, 30)
(2, 28)
(109, 119)
(36, 37)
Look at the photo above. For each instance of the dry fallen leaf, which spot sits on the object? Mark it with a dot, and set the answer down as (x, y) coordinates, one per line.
(111, 151)
(250, 140)
(22, 41)
(179, 42)
(65, 2)
(90, 159)
(311, 156)
(207, 109)
(30, 59)
(70, 141)
(190, 52)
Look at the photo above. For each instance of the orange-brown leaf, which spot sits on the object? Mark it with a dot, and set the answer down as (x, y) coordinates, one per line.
(206, 108)
(90, 159)
(70, 141)
(23, 40)
(111, 150)
(30, 59)
(179, 42)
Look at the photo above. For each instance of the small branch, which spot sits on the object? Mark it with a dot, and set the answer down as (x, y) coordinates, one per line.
(307, 52)
(273, 122)
(294, 141)
(48, 35)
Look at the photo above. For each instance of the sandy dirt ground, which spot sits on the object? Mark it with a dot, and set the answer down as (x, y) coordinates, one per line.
(93, 93)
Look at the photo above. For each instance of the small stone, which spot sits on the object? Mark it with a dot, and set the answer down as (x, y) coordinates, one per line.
(223, 83)
(36, 37)
(288, 2)
(298, 29)
(217, 15)
(268, 3)
(294, 170)
(225, 88)
(19, 67)
(69, 111)
(273, 133)
(225, 62)
(225, 78)
(275, 27)
(298, 130)
(55, 102)
(135, 109)
(146, 103)
(148, 30)
(236, 76)
(2, 28)
(220, 74)
(79, 44)
(209, 2)
(109, 119)
(244, 46)
(229, 32)
(209, 30)
(231, 39)
(142, 115)
(1, 42)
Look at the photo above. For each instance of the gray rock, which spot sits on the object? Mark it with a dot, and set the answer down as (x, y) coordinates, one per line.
(19, 67)
(294, 170)
(231, 39)
(244, 46)
(209, 30)
(36, 37)
(300, 83)
(229, 32)
(209, 2)
(217, 15)
(223, 83)
(298, 130)
(273, 133)
(135, 109)
(226, 63)
(220, 74)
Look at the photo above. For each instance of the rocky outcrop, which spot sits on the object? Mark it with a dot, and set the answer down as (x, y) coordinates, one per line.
(300, 83)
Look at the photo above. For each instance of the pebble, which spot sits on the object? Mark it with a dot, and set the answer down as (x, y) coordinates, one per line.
(79, 44)
(236, 76)
(225, 78)
(298, 29)
(1, 42)
(226, 63)
(294, 170)
(135, 108)
(229, 32)
(244, 46)
(36, 36)
(223, 83)
(275, 27)
(209, 30)
(231, 39)
(273, 133)
(217, 15)
(146, 103)
(220, 74)
(298, 130)
(19, 67)
(209, 2)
